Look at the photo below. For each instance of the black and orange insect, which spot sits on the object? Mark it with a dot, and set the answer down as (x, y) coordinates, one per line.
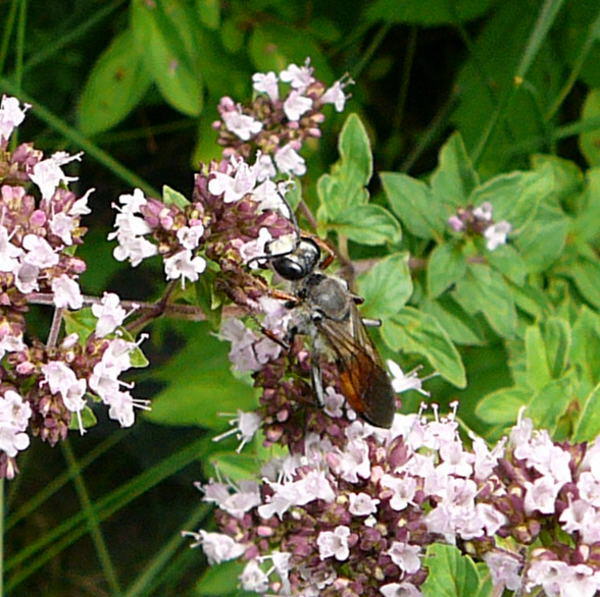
(326, 311)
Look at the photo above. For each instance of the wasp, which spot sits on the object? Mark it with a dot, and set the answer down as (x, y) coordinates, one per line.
(326, 311)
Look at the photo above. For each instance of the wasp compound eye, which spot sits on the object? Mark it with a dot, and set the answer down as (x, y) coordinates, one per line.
(300, 263)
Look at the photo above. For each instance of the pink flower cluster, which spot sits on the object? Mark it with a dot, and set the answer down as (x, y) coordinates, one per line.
(355, 517)
(43, 387)
(279, 121)
(479, 220)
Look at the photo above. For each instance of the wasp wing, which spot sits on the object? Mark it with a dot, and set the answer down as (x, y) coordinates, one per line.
(363, 379)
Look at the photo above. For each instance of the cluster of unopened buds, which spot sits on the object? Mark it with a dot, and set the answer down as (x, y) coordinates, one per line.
(479, 221)
(44, 388)
(354, 517)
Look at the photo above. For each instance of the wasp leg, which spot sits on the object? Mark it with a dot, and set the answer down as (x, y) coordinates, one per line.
(372, 323)
(317, 380)
(358, 300)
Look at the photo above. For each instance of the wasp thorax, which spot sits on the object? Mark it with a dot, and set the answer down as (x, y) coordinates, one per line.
(329, 296)
(300, 263)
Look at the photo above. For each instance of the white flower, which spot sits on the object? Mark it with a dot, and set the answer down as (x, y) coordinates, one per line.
(183, 266)
(9, 253)
(405, 556)
(233, 188)
(134, 248)
(245, 425)
(11, 115)
(335, 95)
(253, 578)
(189, 236)
(218, 547)
(62, 225)
(122, 405)
(47, 174)
(66, 293)
(110, 314)
(26, 278)
(505, 569)
(541, 495)
(39, 251)
(80, 207)
(61, 380)
(14, 418)
(289, 161)
(404, 589)
(266, 83)
(10, 343)
(268, 197)
(402, 382)
(264, 167)
(334, 543)
(115, 359)
(333, 402)
(257, 247)
(484, 211)
(242, 125)
(299, 77)
(362, 504)
(496, 234)
(295, 105)
(132, 203)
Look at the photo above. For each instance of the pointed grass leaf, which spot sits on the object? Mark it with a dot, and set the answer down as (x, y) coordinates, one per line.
(367, 225)
(415, 331)
(116, 85)
(587, 427)
(451, 574)
(413, 202)
(502, 406)
(446, 265)
(386, 287)
(455, 178)
(426, 12)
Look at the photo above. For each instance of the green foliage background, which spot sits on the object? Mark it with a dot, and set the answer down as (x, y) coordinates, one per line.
(456, 102)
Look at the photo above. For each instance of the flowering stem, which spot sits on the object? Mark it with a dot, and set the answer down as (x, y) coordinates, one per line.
(55, 328)
(308, 214)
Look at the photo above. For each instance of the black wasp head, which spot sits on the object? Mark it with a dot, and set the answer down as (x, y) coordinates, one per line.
(300, 262)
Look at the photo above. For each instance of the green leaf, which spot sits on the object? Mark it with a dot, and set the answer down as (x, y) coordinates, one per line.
(414, 331)
(484, 291)
(585, 226)
(221, 579)
(588, 424)
(461, 327)
(172, 197)
(200, 385)
(386, 287)
(356, 167)
(88, 419)
(234, 466)
(451, 574)
(114, 88)
(515, 196)
(426, 12)
(585, 347)
(82, 323)
(455, 178)
(586, 276)
(507, 260)
(367, 225)
(207, 299)
(446, 265)
(567, 176)
(209, 12)
(530, 299)
(557, 338)
(502, 406)
(164, 33)
(413, 202)
(538, 372)
(543, 240)
(344, 188)
(550, 402)
(589, 142)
